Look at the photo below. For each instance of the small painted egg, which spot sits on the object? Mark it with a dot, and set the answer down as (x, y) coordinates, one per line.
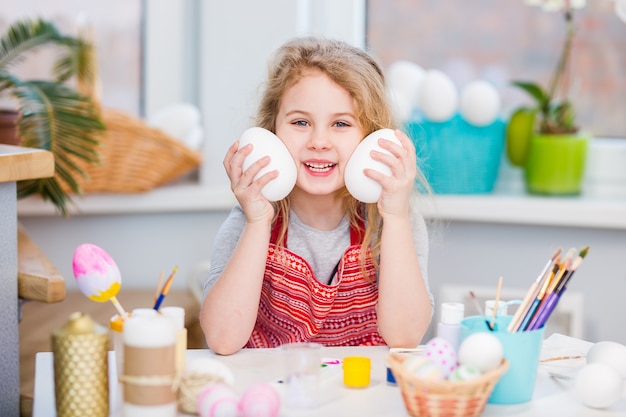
(442, 354)
(464, 373)
(361, 187)
(480, 103)
(260, 400)
(481, 350)
(218, 400)
(422, 367)
(598, 385)
(266, 143)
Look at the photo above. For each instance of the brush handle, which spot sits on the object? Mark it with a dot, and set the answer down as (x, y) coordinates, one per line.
(523, 308)
(544, 313)
(158, 302)
(529, 314)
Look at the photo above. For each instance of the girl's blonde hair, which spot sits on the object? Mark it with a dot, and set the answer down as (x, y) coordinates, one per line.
(362, 77)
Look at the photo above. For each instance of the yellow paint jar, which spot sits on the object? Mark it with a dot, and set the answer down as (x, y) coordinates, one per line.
(356, 371)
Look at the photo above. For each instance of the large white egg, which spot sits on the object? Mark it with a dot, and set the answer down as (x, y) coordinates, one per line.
(361, 187)
(598, 385)
(438, 97)
(480, 103)
(406, 77)
(482, 351)
(266, 143)
(609, 353)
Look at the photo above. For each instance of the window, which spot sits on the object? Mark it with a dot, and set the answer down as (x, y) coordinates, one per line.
(117, 31)
(500, 41)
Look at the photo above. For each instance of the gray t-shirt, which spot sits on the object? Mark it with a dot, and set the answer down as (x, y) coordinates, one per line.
(322, 249)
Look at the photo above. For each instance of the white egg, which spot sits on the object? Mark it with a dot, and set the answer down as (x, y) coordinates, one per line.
(438, 97)
(598, 385)
(361, 187)
(482, 351)
(177, 120)
(266, 143)
(400, 105)
(609, 353)
(480, 103)
(620, 9)
(406, 78)
(209, 366)
(194, 138)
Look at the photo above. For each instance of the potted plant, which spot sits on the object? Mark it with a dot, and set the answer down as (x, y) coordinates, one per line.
(545, 139)
(52, 115)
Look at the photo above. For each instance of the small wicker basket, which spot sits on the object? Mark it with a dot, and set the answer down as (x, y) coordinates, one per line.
(424, 398)
(135, 157)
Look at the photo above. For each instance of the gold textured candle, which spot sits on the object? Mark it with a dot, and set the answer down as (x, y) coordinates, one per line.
(81, 373)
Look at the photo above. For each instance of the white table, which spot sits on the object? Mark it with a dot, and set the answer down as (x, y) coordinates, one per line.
(552, 397)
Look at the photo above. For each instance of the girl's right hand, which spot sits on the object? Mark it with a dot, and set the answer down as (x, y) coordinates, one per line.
(247, 190)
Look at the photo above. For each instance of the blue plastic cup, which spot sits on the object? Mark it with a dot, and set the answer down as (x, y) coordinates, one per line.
(521, 349)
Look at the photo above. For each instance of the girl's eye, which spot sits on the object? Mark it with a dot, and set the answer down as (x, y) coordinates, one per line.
(301, 123)
(341, 124)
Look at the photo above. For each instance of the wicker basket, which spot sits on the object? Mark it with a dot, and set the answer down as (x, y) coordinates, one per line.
(424, 398)
(135, 157)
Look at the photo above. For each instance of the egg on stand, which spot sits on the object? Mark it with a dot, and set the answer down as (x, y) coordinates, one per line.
(404, 78)
(480, 103)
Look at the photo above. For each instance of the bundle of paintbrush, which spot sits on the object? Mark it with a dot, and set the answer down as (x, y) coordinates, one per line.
(545, 292)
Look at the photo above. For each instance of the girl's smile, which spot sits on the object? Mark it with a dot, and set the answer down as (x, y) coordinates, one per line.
(318, 124)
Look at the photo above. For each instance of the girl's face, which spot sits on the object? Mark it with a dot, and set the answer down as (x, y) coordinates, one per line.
(317, 122)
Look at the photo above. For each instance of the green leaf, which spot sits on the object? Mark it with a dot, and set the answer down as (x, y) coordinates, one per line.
(535, 91)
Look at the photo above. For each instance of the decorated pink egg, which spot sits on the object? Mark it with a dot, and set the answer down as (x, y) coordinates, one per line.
(423, 368)
(96, 273)
(442, 355)
(218, 400)
(260, 400)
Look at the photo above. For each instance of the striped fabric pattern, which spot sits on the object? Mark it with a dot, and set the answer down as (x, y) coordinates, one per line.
(296, 307)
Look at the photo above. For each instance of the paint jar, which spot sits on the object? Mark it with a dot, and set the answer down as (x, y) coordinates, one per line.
(356, 371)
(449, 326)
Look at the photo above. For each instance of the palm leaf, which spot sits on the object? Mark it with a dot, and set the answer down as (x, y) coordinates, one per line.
(56, 118)
(53, 116)
(26, 36)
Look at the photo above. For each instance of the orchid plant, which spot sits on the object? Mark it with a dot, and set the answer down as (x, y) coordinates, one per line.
(554, 116)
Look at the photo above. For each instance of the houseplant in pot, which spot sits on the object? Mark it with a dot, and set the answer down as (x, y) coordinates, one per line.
(50, 114)
(545, 139)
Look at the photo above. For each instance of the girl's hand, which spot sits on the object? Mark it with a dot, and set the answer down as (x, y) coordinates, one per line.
(246, 189)
(397, 188)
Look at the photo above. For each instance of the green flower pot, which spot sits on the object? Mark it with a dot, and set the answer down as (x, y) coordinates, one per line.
(556, 164)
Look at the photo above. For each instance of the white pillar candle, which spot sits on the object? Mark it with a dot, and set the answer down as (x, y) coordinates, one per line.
(177, 316)
(149, 367)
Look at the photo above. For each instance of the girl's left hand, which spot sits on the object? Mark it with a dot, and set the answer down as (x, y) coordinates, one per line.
(397, 188)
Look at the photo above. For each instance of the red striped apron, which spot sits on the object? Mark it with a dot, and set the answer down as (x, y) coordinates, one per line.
(296, 307)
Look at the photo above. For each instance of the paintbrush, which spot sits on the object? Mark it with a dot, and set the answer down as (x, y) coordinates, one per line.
(550, 303)
(158, 288)
(479, 308)
(495, 305)
(549, 288)
(165, 290)
(531, 294)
